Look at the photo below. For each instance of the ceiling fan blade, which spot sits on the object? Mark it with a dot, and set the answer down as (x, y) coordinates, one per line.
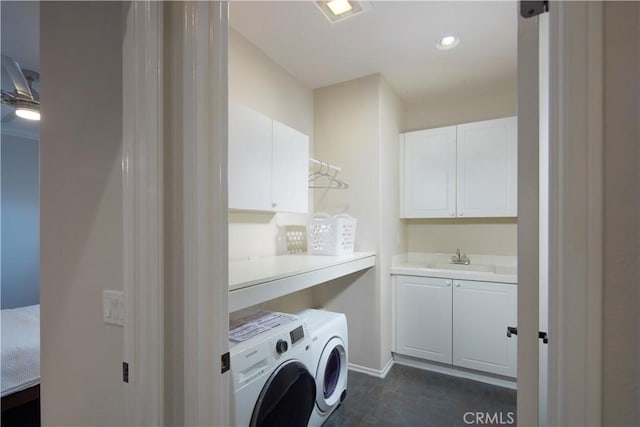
(17, 76)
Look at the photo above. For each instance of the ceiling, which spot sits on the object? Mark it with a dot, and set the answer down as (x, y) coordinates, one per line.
(20, 39)
(395, 38)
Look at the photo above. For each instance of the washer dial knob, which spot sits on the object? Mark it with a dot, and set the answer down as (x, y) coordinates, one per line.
(282, 346)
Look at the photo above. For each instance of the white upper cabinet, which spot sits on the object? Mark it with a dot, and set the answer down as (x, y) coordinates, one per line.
(249, 159)
(290, 173)
(487, 160)
(268, 163)
(467, 170)
(430, 173)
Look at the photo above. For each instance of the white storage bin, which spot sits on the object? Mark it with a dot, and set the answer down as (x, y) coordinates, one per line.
(331, 235)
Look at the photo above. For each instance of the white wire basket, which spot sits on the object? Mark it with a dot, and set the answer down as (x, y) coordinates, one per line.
(331, 235)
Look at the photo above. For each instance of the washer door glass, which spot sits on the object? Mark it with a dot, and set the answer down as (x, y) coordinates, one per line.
(331, 375)
(287, 399)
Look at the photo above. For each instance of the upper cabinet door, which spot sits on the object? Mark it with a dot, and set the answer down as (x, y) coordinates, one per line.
(487, 174)
(290, 172)
(250, 151)
(428, 189)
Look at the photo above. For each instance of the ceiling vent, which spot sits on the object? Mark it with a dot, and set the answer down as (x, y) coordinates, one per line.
(339, 10)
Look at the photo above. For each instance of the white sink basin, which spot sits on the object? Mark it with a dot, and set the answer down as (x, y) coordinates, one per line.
(484, 268)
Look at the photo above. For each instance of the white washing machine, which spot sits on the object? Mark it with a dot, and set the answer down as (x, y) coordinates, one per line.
(329, 338)
(272, 370)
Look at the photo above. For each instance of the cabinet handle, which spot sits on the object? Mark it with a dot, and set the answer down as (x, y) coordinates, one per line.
(457, 285)
(274, 204)
(461, 214)
(448, 282)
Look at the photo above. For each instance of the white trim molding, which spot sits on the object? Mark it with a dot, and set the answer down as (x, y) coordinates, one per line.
(378, 373)
(198, 84)
(576, 213)
(142, 168)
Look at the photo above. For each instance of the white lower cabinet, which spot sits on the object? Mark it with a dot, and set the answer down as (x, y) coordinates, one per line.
(457, 322)
(481, 313)
(424, 318)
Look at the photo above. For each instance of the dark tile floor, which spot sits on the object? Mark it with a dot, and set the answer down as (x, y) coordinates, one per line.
(414, 397)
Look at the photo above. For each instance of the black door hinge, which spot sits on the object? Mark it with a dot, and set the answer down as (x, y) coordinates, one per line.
(544, 337)
(225, 364)
(125, 372)
(511, 330)
(530, 9)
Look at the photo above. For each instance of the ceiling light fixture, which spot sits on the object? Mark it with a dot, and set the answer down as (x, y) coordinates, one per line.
(337, 10)
(28, 113)
(338, 7)
(448, 42)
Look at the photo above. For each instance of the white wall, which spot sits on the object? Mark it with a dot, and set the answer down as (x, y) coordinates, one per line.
(495, 236)
(451, 110)
(479, 236)
(259, 83)
(347, 135)
(81, 211)
(356, 127)
(621, 290)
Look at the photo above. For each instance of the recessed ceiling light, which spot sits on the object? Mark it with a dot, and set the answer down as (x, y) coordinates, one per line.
(338, 7)
(447, 42)
(338, 10)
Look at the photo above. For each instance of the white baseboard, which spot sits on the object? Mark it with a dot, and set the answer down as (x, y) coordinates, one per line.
(456, 372)
(379, 373)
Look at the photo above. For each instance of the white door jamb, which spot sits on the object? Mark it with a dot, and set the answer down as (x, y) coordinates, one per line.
(142, 168)
(576, 213)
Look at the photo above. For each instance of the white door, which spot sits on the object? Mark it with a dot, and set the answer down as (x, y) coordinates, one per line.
(487, 168)
(481, 313)
(429, 173)
(423, 325)
(290, 170)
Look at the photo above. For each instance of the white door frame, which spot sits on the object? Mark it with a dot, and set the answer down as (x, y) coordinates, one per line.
(143, 237)
(575, 222)
(528, 220)
(576, 218)
(200, 393)
(207, 395)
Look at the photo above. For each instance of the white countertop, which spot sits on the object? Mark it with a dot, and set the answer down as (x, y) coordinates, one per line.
(435, 265)
(257, 280)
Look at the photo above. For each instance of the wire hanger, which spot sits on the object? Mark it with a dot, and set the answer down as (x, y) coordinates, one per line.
(326, 176)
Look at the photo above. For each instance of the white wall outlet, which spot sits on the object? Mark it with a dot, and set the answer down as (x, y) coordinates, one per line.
(113, 308)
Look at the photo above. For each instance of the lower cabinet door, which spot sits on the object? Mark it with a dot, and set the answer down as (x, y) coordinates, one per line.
(423, 322)
(481, 313)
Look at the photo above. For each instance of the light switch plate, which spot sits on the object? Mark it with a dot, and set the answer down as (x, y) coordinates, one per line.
(113, 308)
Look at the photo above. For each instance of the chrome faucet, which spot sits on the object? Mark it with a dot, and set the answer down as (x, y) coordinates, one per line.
(460, 259)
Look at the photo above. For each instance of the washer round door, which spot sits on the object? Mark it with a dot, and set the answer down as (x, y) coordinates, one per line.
(287, 398)
(331, 378)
